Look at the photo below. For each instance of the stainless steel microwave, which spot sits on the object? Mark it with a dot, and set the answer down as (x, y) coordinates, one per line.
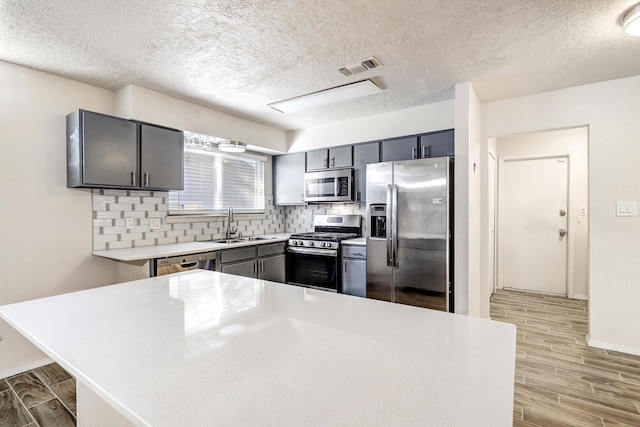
(329, 186)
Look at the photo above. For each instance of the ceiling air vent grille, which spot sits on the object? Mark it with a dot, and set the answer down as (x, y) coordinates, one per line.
(359, 67)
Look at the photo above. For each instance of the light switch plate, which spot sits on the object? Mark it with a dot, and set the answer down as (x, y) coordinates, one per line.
(626, 209)
(130, 223)
(154, 223)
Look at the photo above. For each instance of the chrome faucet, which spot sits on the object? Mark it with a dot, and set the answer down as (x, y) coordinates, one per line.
(230, 233)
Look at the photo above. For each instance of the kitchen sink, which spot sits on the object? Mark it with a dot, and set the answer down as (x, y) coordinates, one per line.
(241, 239)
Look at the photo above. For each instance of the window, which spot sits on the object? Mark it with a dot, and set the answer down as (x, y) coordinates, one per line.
(215, 181)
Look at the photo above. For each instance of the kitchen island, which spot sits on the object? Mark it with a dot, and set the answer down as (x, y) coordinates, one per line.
(203, 348)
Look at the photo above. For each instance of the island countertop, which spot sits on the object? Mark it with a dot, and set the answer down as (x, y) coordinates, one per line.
(204, 348)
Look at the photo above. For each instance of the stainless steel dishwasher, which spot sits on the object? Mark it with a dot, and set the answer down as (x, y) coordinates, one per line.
(354, 269)
(176, 264)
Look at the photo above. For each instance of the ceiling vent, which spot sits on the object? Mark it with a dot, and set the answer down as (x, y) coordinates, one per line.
(359, 67)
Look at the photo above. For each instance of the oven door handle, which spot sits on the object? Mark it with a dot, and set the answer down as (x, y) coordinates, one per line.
(308, 251)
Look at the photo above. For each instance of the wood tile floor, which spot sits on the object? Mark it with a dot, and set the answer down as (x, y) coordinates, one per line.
(559, 380)
(42, 397)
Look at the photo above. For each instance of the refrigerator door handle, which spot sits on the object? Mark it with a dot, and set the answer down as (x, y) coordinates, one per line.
(389, 235)
(392, 225)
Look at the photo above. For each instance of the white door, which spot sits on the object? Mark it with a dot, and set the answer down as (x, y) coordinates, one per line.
(534, 223)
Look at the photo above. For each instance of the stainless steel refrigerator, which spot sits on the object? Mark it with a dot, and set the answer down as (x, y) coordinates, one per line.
(409, 232)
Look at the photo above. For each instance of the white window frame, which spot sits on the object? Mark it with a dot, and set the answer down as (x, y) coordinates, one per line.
(218, 155)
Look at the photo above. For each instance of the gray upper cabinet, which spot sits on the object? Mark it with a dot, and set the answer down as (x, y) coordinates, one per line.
(363, 154)
(101, 151)
(434, 144)
(288, 179)
(160, 150)
(437, 144)
(332, 158)
(110, 152)
(399, 149)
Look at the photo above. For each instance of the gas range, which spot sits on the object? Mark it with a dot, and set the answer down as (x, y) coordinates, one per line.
(320, 239)
(313, 259)
(329, 230)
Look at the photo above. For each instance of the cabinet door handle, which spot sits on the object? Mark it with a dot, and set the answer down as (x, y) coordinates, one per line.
(358, 196)
(254, 267)
(146, 179)
(262, 266)
(414, 153)
(425, 151)
(333, 162)
(133, 178)
(345, 266)
(325, 162)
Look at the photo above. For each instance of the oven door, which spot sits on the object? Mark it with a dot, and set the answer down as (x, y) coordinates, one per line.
(313, 268)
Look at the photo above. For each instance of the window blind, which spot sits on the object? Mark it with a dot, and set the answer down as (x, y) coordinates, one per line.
(215, 181)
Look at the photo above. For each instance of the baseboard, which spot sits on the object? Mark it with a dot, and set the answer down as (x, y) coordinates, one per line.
(24, 368)
(579, 296)
(608, 346)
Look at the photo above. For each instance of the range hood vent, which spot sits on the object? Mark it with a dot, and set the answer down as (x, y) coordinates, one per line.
(359, 67)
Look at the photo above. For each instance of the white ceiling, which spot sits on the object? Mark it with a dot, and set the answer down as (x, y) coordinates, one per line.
(240, 55)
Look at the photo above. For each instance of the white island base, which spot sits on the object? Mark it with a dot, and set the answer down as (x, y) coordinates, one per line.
(205, 348)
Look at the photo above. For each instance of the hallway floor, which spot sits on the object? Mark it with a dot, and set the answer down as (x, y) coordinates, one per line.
(559, 380)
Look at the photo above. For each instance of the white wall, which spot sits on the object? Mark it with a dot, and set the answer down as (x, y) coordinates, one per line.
(610, 110)
(138, 103)
(46, 228)
(410, 121)
(560, 142)
(467, 203)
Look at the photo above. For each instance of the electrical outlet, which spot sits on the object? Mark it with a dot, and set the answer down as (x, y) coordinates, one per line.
(130, 223)
(154, 223)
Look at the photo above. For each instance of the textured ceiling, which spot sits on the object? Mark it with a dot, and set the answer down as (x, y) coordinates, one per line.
(240, 55)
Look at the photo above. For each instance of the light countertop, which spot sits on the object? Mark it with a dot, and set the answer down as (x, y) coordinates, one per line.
(358, 241)
(204, 348)
(174, 249)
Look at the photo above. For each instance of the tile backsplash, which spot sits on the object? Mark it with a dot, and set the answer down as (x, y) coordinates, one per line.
(299, 219)
(111, 208)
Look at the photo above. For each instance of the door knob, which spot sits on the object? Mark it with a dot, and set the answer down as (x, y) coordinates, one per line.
(563, 212)
(563, 232)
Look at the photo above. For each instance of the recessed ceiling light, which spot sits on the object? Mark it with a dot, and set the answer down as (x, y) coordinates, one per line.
(631, 21)
(324, 97)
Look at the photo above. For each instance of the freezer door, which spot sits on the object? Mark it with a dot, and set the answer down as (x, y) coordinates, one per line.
(379, 274)
(421, 277)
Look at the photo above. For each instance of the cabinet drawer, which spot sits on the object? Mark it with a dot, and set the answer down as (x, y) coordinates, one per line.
(354, 251)
(271, 249)
(238, 254)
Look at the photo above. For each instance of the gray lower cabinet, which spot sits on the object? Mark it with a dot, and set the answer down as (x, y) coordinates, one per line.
(265, 261)
(272, 262)
(363, 154)
(288, 179)
(243, 268)
(272, 268)
(354, 270)
(110, 152)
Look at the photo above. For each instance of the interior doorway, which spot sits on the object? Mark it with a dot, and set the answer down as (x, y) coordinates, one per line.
(567, 151)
